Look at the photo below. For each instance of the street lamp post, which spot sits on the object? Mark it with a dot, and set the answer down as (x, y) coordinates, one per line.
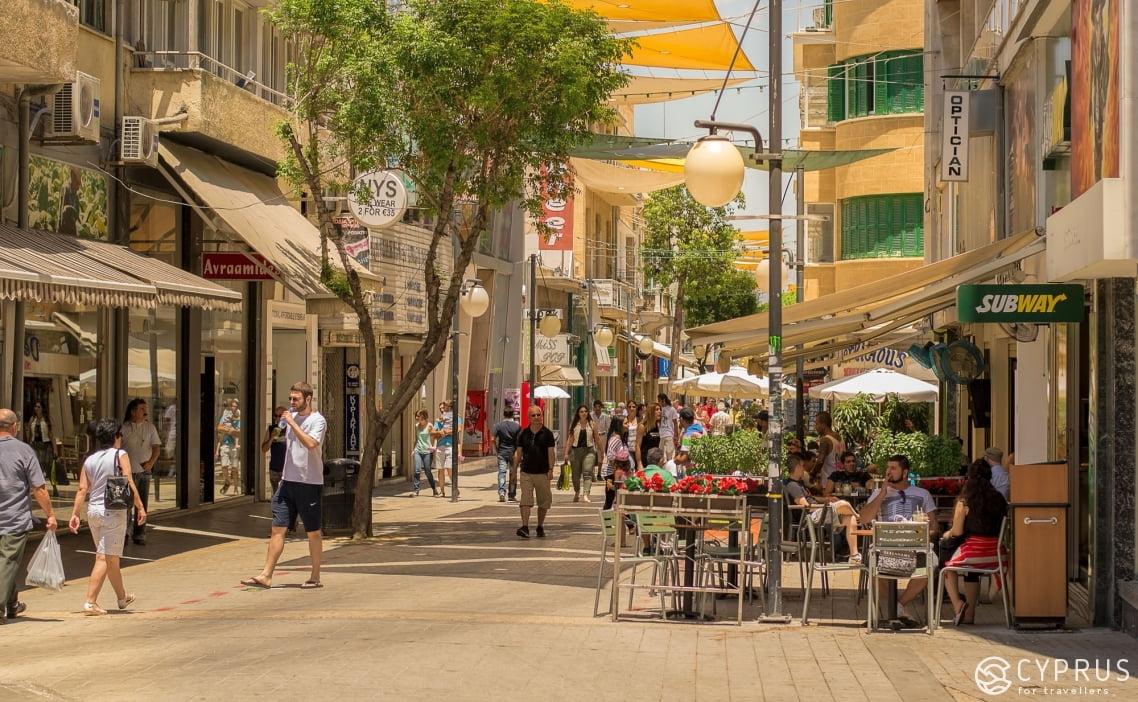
(473, 300)
(713, 172)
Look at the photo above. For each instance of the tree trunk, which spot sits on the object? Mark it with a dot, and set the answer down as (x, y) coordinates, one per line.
(677, 329)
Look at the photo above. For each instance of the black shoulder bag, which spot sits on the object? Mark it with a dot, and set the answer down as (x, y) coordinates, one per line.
(117, 495)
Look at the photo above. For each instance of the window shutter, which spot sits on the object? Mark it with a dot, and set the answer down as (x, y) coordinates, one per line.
(835, 93)
(883, 85)
(851, 89)
(864, 81)
(914, 226)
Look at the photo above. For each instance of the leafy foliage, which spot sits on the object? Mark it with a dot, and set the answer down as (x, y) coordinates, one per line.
(475, 101)
(727, 297)
(895, 413)
(856, 420)
(724, 454)
(929, 455)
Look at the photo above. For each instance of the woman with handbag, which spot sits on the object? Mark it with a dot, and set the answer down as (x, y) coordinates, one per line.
(616, 449)
(581, 451)
(106, 477)
(976, 526)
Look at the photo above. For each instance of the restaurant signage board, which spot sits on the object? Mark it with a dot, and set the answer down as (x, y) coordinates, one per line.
(1041, 303)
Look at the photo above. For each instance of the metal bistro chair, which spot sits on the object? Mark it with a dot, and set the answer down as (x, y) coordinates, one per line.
(662, 537)
(1000, 571)
(820, 558)
(716, 558)
(903, 537)
(613, 538)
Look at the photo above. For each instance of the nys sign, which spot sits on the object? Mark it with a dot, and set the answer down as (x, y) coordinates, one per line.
(1041, 304)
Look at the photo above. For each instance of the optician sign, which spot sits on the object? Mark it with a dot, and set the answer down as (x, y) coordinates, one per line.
(954, 147)
(1020, 303)
(386, 199)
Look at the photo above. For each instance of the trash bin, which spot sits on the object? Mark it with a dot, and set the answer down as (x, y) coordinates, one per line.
(340, 478)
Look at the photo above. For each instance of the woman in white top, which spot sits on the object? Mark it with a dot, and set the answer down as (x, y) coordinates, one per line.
(632, 424)
(108, 526)
(39, 433)
(581, 451)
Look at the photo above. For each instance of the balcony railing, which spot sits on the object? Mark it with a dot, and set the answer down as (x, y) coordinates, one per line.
(195, 60)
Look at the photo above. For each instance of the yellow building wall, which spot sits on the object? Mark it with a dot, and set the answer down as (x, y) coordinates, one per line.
(867, 26)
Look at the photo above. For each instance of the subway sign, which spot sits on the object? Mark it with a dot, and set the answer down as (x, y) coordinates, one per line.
(1020, 303)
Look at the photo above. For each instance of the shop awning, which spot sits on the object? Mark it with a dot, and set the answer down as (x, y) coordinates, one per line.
(37, 265)
(565, 376)
(253, 206)
(869, 311)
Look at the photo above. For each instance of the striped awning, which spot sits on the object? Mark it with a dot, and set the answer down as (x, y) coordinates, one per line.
(37, 266)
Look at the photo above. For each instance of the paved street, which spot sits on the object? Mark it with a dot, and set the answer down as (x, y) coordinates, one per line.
(447, 603)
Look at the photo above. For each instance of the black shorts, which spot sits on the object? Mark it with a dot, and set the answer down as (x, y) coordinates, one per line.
(292, 499)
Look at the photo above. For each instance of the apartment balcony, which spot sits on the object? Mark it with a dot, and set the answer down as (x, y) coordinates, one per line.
(655, 310)
(613, 299)
(228, 113)
(41, 41)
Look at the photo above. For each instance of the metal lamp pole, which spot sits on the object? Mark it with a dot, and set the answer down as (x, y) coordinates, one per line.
(799, 296)
(454, 433)
(532, 326)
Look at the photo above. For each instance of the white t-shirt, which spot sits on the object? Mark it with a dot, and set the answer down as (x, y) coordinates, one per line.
(304, 465)
(139, 440)
(667, 424)
(670, 466)
(904, 503)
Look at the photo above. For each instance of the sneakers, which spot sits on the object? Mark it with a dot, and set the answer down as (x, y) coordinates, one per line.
(855, 559)
(501, 498)
(90, 609)
(541, 532)
(523, 531)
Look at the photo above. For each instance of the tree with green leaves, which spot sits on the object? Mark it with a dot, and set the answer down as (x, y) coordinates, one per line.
(727, 297)
(688, 244)
(473, 100)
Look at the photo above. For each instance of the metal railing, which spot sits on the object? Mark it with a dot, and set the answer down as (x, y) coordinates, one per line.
(197, 61)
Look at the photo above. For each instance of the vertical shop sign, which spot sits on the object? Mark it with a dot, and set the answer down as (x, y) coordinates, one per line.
(352, 410)
(954, 148)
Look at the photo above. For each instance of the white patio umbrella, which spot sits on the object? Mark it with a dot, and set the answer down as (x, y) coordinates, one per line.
(550, 392)
(877, 384)
(736, 382)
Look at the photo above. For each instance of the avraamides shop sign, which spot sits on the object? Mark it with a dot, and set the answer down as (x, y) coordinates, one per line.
(1020, 303)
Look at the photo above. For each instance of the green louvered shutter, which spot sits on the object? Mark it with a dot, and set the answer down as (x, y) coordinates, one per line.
(864, 81)
(851, 89)
(914, 226)
(908, 89)
(835, 93)
(883, 86)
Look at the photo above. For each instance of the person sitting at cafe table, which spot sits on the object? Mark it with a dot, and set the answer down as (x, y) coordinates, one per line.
(898, 501)
(655, 459)
(847, 474)
(797, 493)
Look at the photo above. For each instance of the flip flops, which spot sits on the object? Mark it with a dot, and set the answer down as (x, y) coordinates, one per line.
(254, 582)
(311, 585)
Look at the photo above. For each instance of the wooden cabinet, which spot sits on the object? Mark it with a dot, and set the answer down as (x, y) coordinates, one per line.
(1039, 503)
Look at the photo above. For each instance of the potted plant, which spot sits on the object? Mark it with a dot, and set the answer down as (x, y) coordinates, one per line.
(744, 450)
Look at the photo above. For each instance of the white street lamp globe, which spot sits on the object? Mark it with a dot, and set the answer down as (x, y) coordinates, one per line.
(644, 344)
(603, 335)
(713, 171)
(763, 275)
(549, 326)
(475, 300)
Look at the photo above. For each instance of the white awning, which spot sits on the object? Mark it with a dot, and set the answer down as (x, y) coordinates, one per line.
(253, 206)
(869, 311)
(565, 376)
(36, 265)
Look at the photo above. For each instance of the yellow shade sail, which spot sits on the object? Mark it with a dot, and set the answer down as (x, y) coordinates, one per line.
(650, 10)
(642, 90)
(605, 177)
(708, 48)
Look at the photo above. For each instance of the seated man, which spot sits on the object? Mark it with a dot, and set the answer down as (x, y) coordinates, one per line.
(897, 500)
(655, 457)
(798, 494)
(847, 474)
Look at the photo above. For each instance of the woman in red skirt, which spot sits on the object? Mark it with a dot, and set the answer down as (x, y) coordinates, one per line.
(979, 512)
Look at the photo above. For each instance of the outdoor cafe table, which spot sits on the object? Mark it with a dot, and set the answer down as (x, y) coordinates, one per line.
(866, 535)
(694, 509)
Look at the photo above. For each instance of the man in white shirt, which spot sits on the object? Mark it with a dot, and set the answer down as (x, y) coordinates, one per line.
(1000, 479)
(897, 500)
(142, 445)
(302, 486)
(720, 420)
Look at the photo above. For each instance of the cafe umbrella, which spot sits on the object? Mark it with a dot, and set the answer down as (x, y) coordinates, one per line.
(877, 384)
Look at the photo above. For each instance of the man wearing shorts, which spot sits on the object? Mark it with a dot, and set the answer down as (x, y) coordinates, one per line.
(534, 456)
(301, 488)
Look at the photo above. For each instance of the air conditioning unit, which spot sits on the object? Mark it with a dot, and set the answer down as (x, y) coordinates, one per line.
(76, 110)
(139, 141)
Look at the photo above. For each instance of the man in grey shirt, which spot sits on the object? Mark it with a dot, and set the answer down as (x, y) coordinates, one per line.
(20, 474)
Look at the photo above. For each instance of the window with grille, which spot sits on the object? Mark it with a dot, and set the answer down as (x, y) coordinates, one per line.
(883, 226)
(891, 82)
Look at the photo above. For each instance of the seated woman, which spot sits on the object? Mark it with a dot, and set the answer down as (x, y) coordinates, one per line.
(977, 517)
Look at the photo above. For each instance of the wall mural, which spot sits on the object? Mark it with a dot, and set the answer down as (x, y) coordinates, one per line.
(67, 199)
(1095, 133)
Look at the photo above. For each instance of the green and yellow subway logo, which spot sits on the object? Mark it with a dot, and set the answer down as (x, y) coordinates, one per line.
(1041, 303)
(1019, 303)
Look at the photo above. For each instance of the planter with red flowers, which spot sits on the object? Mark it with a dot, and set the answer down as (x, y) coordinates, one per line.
(704, 494)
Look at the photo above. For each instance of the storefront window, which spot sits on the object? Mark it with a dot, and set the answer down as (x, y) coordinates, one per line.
(60, 346)
(223, 339)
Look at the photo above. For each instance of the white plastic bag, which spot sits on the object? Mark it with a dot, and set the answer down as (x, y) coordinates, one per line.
(46, 568)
